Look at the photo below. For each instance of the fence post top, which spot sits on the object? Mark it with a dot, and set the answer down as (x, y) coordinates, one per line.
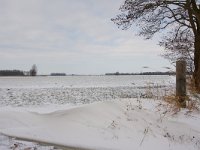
(181, 60)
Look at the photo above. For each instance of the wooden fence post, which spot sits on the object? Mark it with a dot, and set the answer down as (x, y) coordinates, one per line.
(181, 82)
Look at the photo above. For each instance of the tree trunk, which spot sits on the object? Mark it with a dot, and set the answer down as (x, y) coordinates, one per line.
(197, 62)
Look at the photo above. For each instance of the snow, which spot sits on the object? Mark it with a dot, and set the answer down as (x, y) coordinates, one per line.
(119, 124)
(103, 123)
(82, 81)
(26, 91)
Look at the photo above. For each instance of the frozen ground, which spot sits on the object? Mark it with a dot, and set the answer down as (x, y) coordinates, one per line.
(93, 112)
(82, 81)
(27, 91)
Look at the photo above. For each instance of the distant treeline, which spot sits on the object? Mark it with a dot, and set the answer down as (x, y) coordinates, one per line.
(11, 73)
(143, 73)
(14, 72)
(58, 74)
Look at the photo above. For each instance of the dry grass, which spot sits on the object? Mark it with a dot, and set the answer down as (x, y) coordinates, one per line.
(192, 105)
(177, 103)
(191, 86)
(190, 102)
(174, 103)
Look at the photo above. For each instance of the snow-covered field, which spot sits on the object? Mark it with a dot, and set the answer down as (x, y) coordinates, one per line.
(93, 112)
(28, 91)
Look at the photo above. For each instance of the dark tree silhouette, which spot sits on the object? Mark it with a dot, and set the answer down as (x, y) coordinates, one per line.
(178, 19)
(33, 71)
(11, 73)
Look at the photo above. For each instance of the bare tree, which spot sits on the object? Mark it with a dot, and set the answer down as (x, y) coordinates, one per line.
(33, 71)
(179, 20)
(180, 46)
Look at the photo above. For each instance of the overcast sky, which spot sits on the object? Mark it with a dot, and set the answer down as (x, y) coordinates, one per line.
(72, 36)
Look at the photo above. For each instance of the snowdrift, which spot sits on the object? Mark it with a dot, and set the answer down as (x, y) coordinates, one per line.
(120, 124)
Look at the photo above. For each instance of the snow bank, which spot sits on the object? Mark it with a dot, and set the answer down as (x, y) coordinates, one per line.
(121, 124)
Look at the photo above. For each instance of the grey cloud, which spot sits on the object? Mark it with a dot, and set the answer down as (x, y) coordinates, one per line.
(36, 26)
(64, 31)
